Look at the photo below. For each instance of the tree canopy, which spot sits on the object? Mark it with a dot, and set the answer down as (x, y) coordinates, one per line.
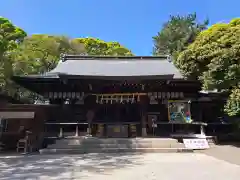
(177, 33)
(233, 104)
(94, 46)
(210, 55)
(41, 53)
(214, 58)
(10, 37)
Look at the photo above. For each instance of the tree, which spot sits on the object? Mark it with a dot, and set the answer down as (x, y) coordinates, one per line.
(38, 54)
(233, 104)
(10, 37)
(177, 34)
(95, 46)
(41, 53)
(214, 58)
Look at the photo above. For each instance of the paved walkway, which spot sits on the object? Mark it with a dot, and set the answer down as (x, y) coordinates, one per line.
(227, 153)
(154, 166)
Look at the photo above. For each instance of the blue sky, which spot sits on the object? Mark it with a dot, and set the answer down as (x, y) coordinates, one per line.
(130, 22)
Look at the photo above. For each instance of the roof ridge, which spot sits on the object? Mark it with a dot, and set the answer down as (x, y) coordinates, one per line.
(67, 57)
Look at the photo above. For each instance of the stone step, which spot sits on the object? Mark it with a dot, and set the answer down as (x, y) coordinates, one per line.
(98, 145)
(109, 143)
(116, 143)
(78, 141)
(114, 150)
(134, 145)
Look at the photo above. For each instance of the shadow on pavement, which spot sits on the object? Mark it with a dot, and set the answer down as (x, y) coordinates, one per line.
(227, 153)
(235, 144)
(62, 166)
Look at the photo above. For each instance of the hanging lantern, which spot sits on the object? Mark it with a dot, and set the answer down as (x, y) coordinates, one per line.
(97, 99)
(73, 95)
(102, 99)
(163, 94)
(55, 96)
(168, 95)
(121, 100)
(69, 94)
(181, 95)
(133, 99)
(50, 94)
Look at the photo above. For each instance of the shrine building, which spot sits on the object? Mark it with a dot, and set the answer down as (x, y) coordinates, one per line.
(119, 97)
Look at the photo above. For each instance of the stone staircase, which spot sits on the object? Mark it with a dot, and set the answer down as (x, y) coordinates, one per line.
(107, 145)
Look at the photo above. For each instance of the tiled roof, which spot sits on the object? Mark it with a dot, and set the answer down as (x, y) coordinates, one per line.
(116, 66)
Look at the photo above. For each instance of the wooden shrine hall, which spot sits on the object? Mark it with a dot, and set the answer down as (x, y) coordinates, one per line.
(117, 97)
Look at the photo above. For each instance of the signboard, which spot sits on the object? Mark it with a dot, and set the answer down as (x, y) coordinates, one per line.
(16, 115)
(196, 143)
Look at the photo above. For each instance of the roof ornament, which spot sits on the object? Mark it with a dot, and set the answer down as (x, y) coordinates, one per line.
(169, 58)
(84, 54)
(62, 57)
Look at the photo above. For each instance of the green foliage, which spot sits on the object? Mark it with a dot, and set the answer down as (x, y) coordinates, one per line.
(233, 104)
(214, 58)
(41, 53)
(94, 46)
(177, 34)
(10, 37)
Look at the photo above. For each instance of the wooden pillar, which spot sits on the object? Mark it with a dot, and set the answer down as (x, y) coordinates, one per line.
(144, 129)
(90, 116)
(90, 103)
(143, 106)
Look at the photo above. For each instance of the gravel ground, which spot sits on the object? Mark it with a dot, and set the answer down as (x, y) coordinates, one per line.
(155, 166)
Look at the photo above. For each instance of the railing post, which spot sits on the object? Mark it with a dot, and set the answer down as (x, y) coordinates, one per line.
(60, 132)
(89, 129)
(202, 130)
(76, 134)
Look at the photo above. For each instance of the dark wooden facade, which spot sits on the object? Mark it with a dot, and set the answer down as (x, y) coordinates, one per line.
(127, 101)
(17, 115)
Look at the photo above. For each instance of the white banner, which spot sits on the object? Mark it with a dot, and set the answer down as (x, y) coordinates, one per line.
(196, 143)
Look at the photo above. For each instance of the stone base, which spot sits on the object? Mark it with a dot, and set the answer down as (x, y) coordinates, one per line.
(114, 150)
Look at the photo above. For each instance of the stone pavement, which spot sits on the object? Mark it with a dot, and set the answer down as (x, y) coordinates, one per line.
(229, 153)
(155, 166)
